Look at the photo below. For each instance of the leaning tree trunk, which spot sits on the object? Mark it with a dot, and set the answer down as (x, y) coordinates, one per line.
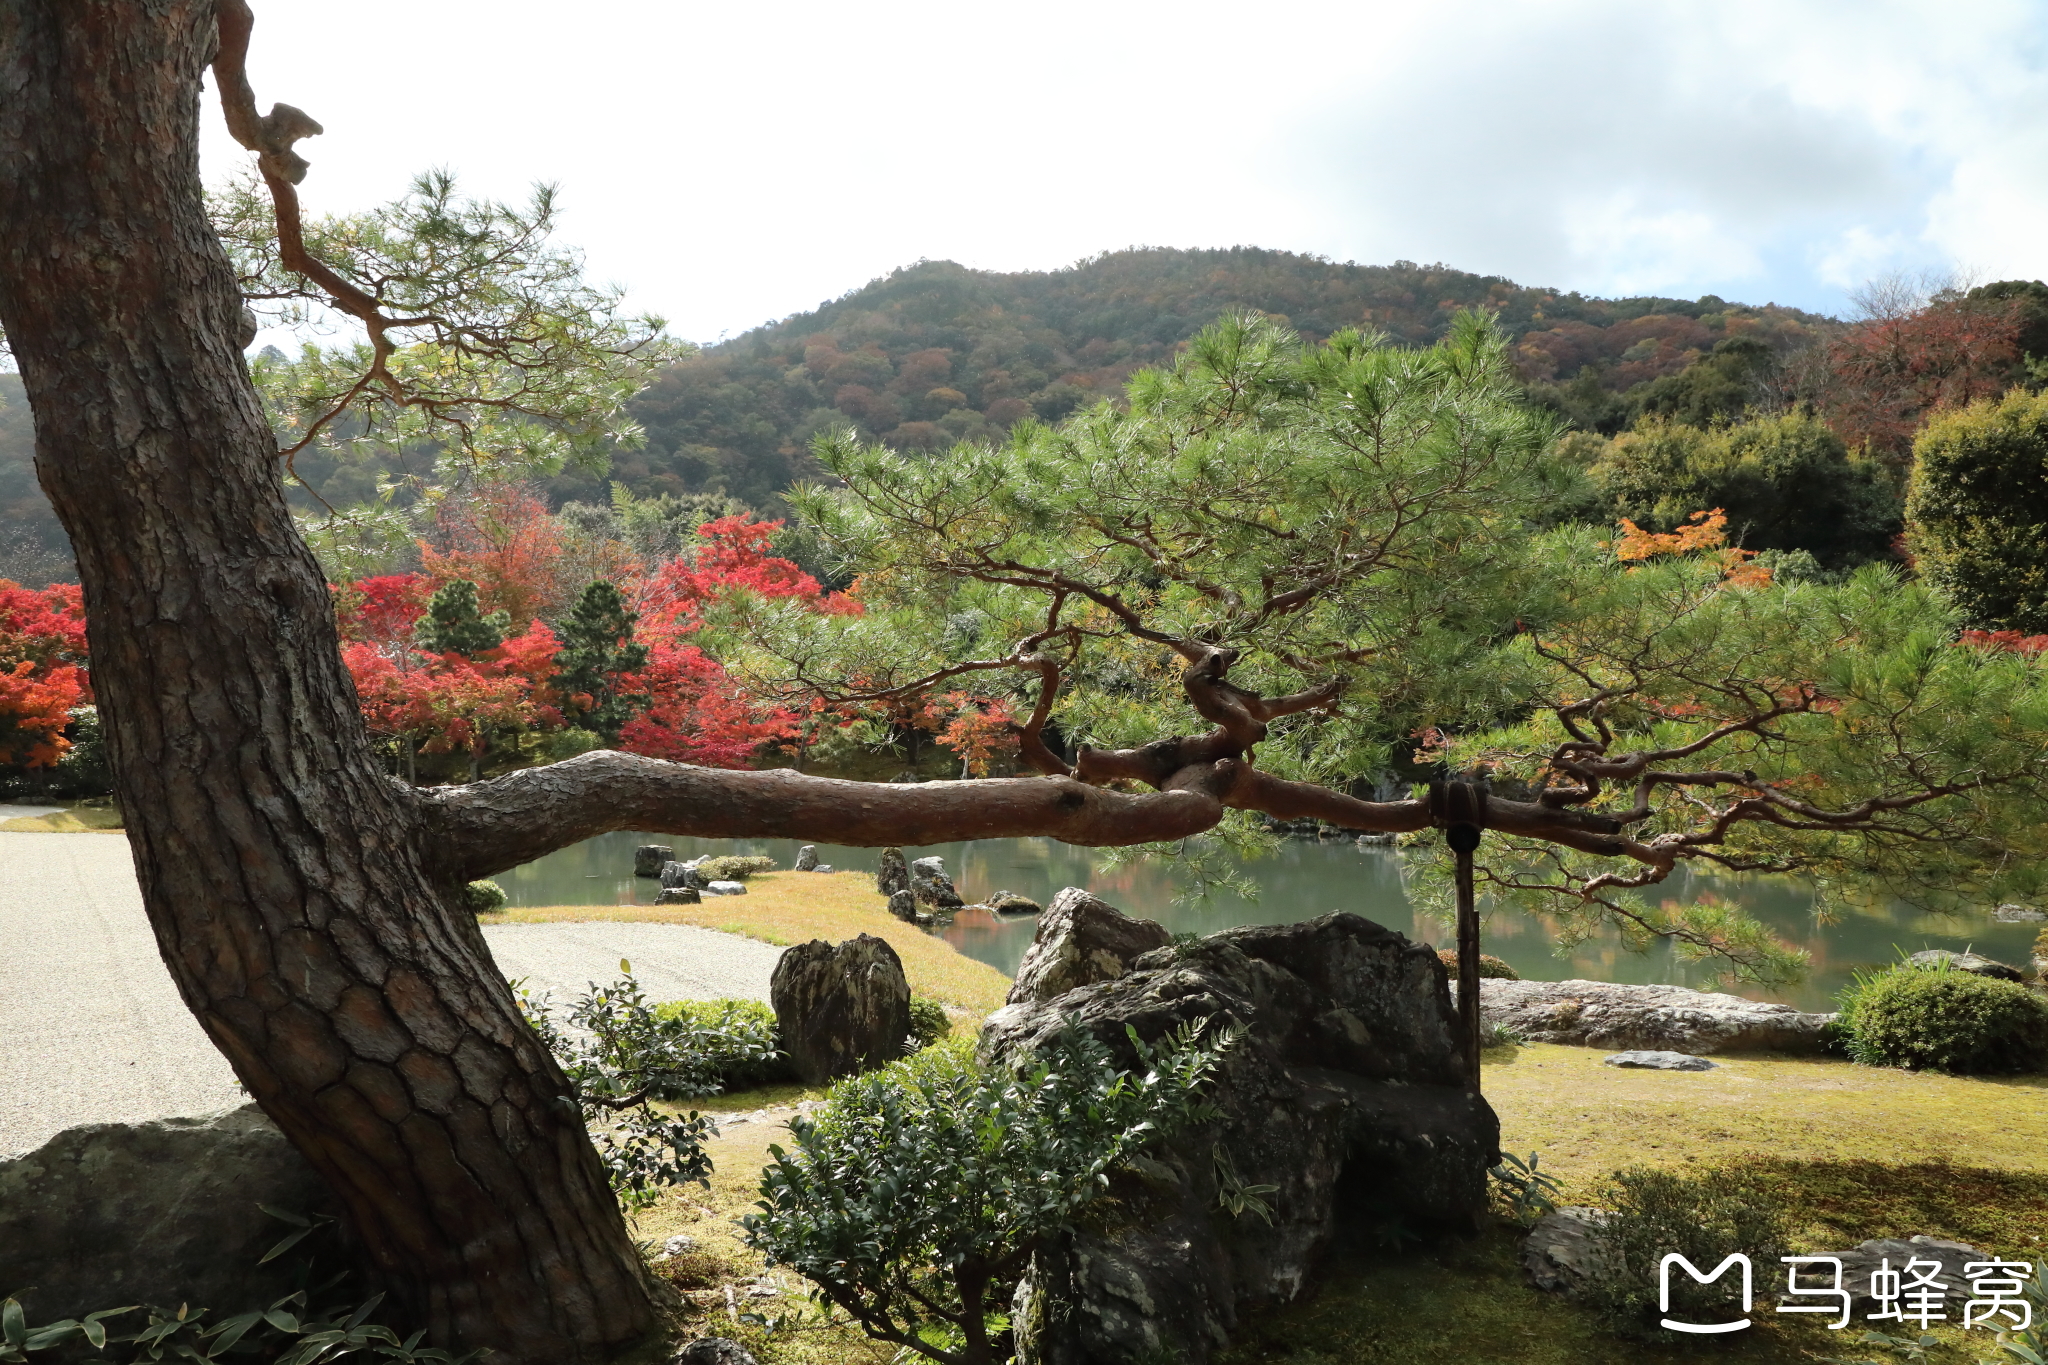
(282, 871)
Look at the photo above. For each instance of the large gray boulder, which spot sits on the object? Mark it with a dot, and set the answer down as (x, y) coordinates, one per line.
(162, 1212)
(1081, 940)
(932, 887)
(676, 875)
(649, 859)
(1859, 1261)
(807, 858)
(1347, 1093)
(842, 1008)
(894, 874)
(903, 905)
(1652, 1018)
(1976, 964)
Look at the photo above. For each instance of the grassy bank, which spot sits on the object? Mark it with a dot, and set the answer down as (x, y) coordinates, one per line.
(786, 908)
(79, 817)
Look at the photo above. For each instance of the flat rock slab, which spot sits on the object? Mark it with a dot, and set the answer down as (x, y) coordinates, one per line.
(1651, 1018)
(1562, 1253)
(671, 961)
(1661, 1061)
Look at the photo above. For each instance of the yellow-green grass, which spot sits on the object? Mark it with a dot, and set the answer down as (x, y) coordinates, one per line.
(794, 907)
(1848, 1152)
(82, 817)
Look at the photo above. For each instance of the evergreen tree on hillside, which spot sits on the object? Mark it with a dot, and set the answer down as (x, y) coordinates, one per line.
(454, 624)
(598, 635)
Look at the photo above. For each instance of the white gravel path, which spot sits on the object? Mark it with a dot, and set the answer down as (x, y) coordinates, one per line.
(93, 1031)
(670, 961)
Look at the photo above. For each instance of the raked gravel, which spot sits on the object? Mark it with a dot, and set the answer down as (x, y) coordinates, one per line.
(93, 1031)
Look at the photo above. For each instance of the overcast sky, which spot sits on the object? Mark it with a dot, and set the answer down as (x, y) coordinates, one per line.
(732, 163)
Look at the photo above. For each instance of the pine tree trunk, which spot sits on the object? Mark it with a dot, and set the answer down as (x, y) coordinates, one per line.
(282, 870)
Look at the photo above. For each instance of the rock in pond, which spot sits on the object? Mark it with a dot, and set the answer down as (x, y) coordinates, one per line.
(1347, 1093)
(2018, 914)
(1010, 903)
(1654, 1018)
(648, 859)
(1976, 964)
(894, 874)
(903, 905)
(807, 858)
(1661, 1061)
(841, 1008)
(1562, 1253)
(932, 887)
(725, 888)
(1081, 940)
(160, 1212)
(683, 874)
(678, 895)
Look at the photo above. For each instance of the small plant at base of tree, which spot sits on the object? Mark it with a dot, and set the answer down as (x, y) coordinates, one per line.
(1528, 1193)
(916, 1196)
(1941, 1019)
(619, 1053)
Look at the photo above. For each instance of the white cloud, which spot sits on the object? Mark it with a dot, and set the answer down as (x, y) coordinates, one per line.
(734, 163)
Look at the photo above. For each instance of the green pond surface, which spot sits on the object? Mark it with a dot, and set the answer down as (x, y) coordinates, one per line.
(1303, 879)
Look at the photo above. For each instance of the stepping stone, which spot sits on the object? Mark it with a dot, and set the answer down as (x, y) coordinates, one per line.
(1661, 1061)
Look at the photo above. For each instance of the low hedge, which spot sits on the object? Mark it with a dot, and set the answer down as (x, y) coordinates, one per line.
(1942, 1019)
(1489, 966)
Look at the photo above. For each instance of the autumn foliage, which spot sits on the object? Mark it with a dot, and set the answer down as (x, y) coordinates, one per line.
(1702, 532)
(42, 648)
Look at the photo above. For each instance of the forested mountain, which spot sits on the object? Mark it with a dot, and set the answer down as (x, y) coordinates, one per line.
(935, 353)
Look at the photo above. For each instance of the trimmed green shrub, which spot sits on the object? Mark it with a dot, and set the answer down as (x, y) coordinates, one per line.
(735, 867)
(929, 1022)
(1941, 1019)
(1977, 510)
(722, 1017)
(1490, 967)
(1705, 1218)
(484, 897)
(917, 1194)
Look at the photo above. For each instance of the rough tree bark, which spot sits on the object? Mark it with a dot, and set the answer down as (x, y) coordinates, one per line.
(308, 908)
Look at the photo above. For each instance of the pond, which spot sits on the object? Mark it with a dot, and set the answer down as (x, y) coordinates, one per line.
(1302, 879)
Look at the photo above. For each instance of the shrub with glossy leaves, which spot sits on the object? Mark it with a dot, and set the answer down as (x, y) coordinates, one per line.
(916, 1196)
(619, 1052)
(1941, 1019)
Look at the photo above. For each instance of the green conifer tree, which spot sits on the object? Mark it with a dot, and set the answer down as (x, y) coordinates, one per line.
(598, 644)
(454, 624)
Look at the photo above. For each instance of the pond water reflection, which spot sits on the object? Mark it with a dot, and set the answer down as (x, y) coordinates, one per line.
(1303, 879)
